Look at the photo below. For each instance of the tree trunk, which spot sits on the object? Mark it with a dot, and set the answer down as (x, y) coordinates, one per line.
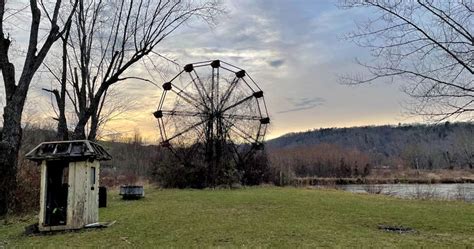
(94, 126)
(63, 132)
(9, 148)
(89, 113)
(80, 130)
(62, 127)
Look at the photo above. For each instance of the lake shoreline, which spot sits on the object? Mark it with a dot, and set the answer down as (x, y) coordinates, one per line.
(313, 181)
(438, 191)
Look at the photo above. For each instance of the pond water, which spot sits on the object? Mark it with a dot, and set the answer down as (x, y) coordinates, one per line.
(463, 191)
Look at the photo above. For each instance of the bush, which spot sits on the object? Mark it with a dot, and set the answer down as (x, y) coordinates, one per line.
(193, 172)
(256, 169)
(169, 172)
(27, 192)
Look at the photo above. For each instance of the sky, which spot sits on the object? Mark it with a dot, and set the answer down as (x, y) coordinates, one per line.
(294, 50)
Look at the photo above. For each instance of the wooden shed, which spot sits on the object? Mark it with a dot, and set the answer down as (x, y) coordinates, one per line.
(69, 183)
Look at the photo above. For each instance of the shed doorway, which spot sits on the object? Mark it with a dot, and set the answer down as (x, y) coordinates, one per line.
(57, 184)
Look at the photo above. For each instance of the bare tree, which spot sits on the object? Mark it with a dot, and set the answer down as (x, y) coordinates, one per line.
(119, 106)
(426, 44)
(107, 39)
(16, 89)
(465, 147)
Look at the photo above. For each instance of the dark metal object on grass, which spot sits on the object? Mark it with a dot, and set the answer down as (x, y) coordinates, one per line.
(131, 192)
(102, 197)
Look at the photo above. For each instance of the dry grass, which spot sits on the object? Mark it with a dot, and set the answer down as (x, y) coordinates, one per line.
(435, 175)
(263, 217)
(392, 176)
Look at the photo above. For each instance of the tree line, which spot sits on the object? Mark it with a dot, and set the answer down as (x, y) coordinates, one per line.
(440, 146)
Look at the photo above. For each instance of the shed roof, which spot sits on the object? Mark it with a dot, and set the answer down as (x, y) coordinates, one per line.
(74, 150)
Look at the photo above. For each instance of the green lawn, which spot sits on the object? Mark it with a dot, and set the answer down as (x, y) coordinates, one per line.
(263, 217)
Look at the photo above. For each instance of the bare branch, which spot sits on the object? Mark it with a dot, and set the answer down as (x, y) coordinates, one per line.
(426, 45)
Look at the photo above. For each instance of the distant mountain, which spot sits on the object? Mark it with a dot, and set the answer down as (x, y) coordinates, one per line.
(430, 145)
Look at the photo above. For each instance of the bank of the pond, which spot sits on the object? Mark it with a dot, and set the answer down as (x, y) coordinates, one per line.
(311, 181)
(264, 217)
(457, 191)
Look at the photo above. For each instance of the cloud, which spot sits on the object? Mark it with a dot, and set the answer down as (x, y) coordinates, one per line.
(292, 49)
(304, 103)
(276, 63)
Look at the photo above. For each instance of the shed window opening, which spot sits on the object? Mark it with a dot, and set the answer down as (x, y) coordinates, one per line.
(62, 148)
(92, 177)
(77, 149)
(46, 149)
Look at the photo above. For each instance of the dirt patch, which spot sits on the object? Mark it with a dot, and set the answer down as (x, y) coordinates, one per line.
(396, 229)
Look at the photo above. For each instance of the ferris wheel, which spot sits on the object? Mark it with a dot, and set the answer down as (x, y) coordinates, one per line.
(214, 106)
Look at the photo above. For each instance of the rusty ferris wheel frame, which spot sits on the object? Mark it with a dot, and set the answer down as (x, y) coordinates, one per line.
(230, 112)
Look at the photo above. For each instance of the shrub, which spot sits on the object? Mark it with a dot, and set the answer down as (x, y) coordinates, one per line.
(194, 172)
(256, 169)
(169, 172)
(27, 192)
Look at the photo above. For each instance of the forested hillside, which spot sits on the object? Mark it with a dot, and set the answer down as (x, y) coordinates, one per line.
(447, 145)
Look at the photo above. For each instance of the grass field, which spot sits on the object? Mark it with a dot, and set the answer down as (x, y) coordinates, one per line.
(263, 217)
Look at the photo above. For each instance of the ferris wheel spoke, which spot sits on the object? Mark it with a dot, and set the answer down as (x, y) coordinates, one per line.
(187, 85)
(240, 133)
(184, 113)
(237, 103)
(189, 99)
(228, 92)
(187, 130)
(245, 133)
(241, 117)
(243, 136)
(176, 76)
(202, 86)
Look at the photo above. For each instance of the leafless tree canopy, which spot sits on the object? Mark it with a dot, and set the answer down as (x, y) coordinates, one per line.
(426, 44)
(106, 40)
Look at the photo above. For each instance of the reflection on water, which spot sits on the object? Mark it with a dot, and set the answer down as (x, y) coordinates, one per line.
(464, 191)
